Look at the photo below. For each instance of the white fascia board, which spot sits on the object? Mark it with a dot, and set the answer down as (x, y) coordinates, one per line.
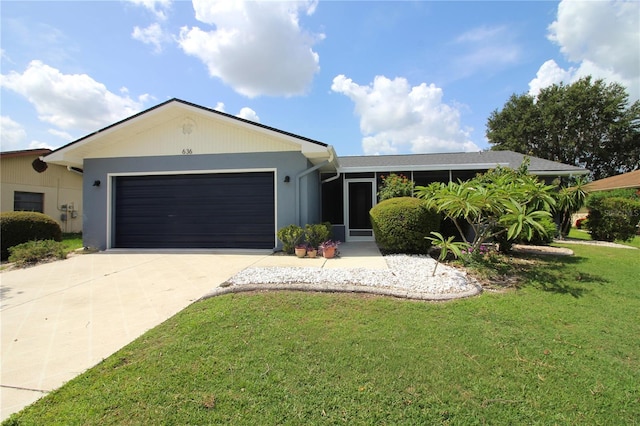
(560, 172)
(422, 168)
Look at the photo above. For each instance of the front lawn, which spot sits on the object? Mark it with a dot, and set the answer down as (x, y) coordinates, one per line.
(584, 235)
(564, 348)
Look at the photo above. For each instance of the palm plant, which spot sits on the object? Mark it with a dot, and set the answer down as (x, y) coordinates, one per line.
(446, 246)
(570, 200)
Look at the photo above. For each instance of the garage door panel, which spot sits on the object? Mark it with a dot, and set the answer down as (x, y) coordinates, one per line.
(234, 210)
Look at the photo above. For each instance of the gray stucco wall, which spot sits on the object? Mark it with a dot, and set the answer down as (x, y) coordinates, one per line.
(310, 208)
(96, 199)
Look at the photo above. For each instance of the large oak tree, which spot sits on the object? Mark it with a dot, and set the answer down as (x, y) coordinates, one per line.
(587, 123)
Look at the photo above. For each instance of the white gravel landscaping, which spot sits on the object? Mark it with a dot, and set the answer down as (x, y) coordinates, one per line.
(407, 276)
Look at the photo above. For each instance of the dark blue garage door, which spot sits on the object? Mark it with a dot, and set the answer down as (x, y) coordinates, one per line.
(223, 210)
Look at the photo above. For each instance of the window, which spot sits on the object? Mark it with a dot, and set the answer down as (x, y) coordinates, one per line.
(28, 201)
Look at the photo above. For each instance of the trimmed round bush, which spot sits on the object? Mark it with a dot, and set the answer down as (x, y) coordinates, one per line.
(612, 218)
(401, 224)
(20, 227)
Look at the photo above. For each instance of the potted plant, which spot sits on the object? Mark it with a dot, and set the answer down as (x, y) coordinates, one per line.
(312, 252)
(316, 233)
(290, 236)
(301, 250)
(329, 248)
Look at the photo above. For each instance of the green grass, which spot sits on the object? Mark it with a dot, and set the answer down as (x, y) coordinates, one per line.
(72, 241)
(584, 235)
(564, 348)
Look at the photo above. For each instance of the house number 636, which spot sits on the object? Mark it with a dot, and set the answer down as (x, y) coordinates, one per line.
(187, 151)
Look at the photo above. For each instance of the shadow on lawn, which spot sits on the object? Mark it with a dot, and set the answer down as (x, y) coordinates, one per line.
(559, 275)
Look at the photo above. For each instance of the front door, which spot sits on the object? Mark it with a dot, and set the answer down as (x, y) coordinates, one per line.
(360, 197)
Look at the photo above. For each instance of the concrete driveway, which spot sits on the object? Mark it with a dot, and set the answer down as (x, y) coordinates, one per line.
(61, 318)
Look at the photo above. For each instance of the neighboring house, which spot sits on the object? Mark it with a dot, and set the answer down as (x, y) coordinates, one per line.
(180, 175)
(29, 184)
(625, 180)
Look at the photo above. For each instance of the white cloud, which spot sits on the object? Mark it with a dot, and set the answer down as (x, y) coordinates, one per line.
(153, 35)
(158, 7)
(601, 37)
(258, 48)
(246, 112)
(70, 101)
(397, 118)
(12, 134)
(550, 73)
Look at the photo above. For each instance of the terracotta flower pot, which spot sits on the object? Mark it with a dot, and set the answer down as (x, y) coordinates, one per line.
(329, 252)
(312, 253)
(301, 252)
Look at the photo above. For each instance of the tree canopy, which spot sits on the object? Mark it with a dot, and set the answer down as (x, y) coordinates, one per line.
(587, 124)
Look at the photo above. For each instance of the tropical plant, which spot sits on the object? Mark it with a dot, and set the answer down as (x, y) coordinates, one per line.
(502, 201)
(329, 244)
(446, 246)
(569, 200)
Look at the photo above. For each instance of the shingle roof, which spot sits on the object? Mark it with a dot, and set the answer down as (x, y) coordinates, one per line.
(25, 152)
(454, 161)
(626, 180)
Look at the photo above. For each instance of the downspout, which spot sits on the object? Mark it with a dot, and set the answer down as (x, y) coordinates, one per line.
(77, 170)
(305, 173)
(332, 178)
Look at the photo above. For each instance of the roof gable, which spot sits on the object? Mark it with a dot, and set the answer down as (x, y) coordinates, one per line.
(177, 127)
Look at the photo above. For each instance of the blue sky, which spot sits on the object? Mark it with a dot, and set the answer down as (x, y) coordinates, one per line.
(366, 77)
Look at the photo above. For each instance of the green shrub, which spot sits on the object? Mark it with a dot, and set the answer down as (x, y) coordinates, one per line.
(20, 227)
(36, 251)
(394, 186)
(612, 217)
(316, 234)
(546, 238)
(290, 235)
(401, 225)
